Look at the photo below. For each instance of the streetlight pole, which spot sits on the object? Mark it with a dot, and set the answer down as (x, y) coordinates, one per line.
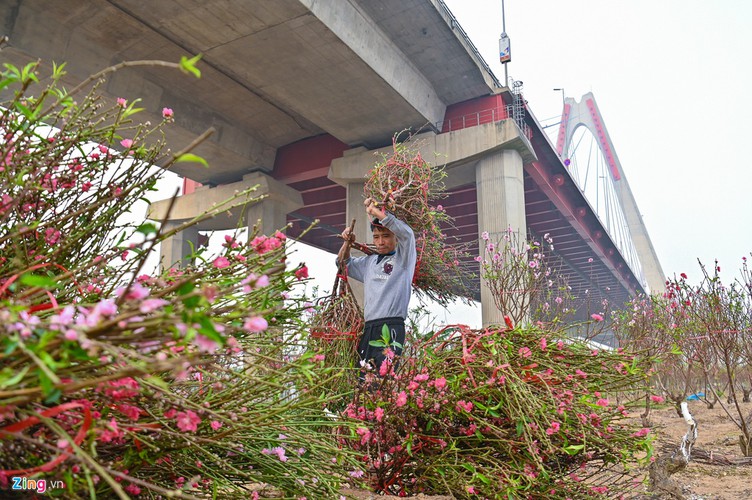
(505, 54)
(503, 18)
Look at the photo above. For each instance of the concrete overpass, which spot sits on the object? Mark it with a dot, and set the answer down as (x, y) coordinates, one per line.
(302, 92)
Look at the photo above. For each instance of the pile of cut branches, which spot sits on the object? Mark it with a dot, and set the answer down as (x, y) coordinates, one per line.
(501, 413)
(335, 329)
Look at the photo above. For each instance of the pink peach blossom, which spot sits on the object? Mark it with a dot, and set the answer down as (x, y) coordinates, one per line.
(553, 429)
(401, 399)
(205, 344)
(256, 324)
(187, 421)
(221, 262)
(302, 272)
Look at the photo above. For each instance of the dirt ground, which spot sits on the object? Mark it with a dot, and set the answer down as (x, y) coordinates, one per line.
(716, 472)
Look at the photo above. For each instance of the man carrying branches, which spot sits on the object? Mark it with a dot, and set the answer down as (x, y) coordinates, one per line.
(387, 277)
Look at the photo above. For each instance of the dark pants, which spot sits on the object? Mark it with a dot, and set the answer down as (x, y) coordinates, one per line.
(373, 331)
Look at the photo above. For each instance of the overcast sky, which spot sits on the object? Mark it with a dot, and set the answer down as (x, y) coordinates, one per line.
(672, 79)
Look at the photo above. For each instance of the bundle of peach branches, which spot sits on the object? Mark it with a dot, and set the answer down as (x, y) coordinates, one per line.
(338, 316)
(409, 186)
(335, 328)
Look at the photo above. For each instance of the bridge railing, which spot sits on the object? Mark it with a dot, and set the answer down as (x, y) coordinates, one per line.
(481, 117)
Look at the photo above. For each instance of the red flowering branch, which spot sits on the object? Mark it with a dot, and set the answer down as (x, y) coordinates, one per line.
(33, 420)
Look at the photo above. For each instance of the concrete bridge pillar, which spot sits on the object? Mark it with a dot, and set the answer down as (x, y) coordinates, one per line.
(501, 206)
(175, 251)
(269, 215)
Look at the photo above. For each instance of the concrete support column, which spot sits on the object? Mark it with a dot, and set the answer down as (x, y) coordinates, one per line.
(501, 205)
(356, 210)
(174, 251)
(269, 214)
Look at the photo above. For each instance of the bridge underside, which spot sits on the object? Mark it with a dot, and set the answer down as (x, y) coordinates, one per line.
(273, 71)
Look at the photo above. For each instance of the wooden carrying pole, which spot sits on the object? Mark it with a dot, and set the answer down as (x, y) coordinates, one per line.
(340, 280)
